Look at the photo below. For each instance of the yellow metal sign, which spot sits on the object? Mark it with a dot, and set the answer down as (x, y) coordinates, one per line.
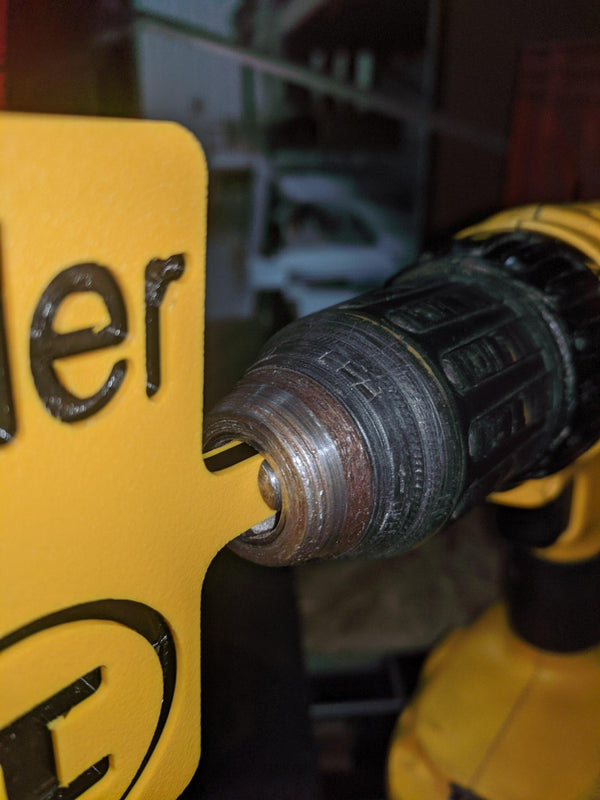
(109, 517)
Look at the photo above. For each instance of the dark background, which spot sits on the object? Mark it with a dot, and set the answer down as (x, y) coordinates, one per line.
(452, 109)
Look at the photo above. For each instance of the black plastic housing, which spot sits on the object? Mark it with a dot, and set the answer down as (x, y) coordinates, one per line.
(471, 372)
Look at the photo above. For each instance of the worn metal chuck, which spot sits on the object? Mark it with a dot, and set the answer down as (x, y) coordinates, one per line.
(385, 417)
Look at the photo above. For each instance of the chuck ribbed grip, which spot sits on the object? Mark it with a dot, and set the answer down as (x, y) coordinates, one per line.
(568, 284)
(458, 379)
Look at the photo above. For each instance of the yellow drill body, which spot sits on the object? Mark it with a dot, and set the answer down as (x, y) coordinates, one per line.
(496, 717)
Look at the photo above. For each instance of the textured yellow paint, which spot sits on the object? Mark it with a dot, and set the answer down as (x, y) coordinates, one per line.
(118, 505)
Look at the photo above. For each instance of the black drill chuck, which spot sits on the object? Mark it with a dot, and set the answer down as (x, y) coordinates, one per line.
(385, 417)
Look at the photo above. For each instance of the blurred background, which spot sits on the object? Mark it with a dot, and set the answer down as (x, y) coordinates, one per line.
(343, 137)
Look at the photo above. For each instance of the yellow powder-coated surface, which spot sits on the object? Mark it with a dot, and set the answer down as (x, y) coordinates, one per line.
(118, 506)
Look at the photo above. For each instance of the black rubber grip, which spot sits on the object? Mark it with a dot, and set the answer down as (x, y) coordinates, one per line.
(554, 606)
(471, 372)
(536, 527)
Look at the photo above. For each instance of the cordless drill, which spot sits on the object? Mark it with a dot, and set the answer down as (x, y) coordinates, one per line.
(473, 375)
